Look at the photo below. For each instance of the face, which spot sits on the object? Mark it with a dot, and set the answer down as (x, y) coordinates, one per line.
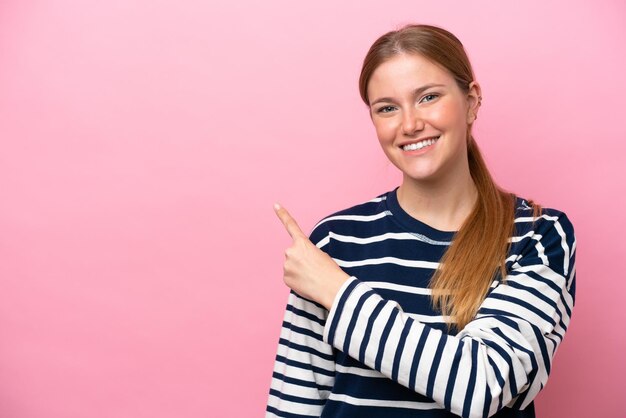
(421, 117)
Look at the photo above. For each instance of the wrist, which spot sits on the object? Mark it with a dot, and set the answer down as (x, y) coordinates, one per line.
(333, 289)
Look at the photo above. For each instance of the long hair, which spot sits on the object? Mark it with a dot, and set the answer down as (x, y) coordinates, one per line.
(478, 251)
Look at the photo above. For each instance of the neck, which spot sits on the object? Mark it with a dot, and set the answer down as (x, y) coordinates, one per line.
(442, 204)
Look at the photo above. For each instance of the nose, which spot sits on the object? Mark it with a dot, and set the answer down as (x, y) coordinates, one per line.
(412, 122)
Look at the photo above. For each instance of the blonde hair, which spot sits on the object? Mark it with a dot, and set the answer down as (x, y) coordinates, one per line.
(478, 251)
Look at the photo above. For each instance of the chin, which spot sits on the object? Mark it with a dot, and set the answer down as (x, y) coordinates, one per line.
(419, 177)
(421, 173)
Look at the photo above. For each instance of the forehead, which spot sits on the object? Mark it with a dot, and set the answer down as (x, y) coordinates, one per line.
(405, 72)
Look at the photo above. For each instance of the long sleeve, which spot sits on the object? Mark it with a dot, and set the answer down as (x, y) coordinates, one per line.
(501, 358)
(304, 369)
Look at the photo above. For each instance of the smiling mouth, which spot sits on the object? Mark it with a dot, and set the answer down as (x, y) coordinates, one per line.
(421, 144)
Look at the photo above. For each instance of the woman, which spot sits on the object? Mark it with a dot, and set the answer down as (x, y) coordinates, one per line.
(446, 296)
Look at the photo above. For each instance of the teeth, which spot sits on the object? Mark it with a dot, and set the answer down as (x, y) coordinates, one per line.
(420, 145)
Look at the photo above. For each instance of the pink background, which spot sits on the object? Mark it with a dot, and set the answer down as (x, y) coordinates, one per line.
(144, 142)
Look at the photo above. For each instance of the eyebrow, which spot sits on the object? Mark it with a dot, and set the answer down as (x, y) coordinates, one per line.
(416, 92)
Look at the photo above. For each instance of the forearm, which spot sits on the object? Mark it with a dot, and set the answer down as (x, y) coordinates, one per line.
(304, 368)
(463, 375)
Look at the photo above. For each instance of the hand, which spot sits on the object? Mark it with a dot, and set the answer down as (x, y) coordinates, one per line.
(309, 271)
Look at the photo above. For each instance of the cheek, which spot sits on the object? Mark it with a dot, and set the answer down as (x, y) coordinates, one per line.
(448, 115)
(442, 116)
(384, 130)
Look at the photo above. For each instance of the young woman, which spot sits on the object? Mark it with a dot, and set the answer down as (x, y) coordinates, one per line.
(446, 296)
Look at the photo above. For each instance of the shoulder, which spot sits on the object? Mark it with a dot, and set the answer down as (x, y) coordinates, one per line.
(548, 219)
(548, 238)
(358, 214)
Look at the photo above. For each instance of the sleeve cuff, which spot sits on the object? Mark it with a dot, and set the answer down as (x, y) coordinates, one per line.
(336, 309)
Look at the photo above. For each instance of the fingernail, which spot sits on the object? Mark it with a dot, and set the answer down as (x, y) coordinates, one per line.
(276, 206)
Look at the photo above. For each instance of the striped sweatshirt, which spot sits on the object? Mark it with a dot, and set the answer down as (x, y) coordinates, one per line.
(383, 351)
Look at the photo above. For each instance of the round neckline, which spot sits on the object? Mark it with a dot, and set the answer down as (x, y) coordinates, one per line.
(411, 223)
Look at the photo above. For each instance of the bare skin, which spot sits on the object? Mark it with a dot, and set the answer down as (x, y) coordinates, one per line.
(309, 271)
(411, 99)
(437, 187)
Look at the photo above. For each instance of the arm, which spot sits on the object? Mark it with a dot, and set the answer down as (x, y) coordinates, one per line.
(501, 358)
(304, 369)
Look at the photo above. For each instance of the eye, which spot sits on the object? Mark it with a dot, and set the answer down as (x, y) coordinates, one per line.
(431, 97)
(385, 109)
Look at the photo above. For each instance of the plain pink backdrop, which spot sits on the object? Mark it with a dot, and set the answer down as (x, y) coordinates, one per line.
(143, 143)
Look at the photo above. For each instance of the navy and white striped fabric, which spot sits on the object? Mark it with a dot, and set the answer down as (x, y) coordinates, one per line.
(382, 351)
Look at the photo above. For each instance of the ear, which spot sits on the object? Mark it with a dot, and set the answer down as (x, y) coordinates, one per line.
(474, 97)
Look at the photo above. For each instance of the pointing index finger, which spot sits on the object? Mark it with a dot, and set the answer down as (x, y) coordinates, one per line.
(289, 222)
